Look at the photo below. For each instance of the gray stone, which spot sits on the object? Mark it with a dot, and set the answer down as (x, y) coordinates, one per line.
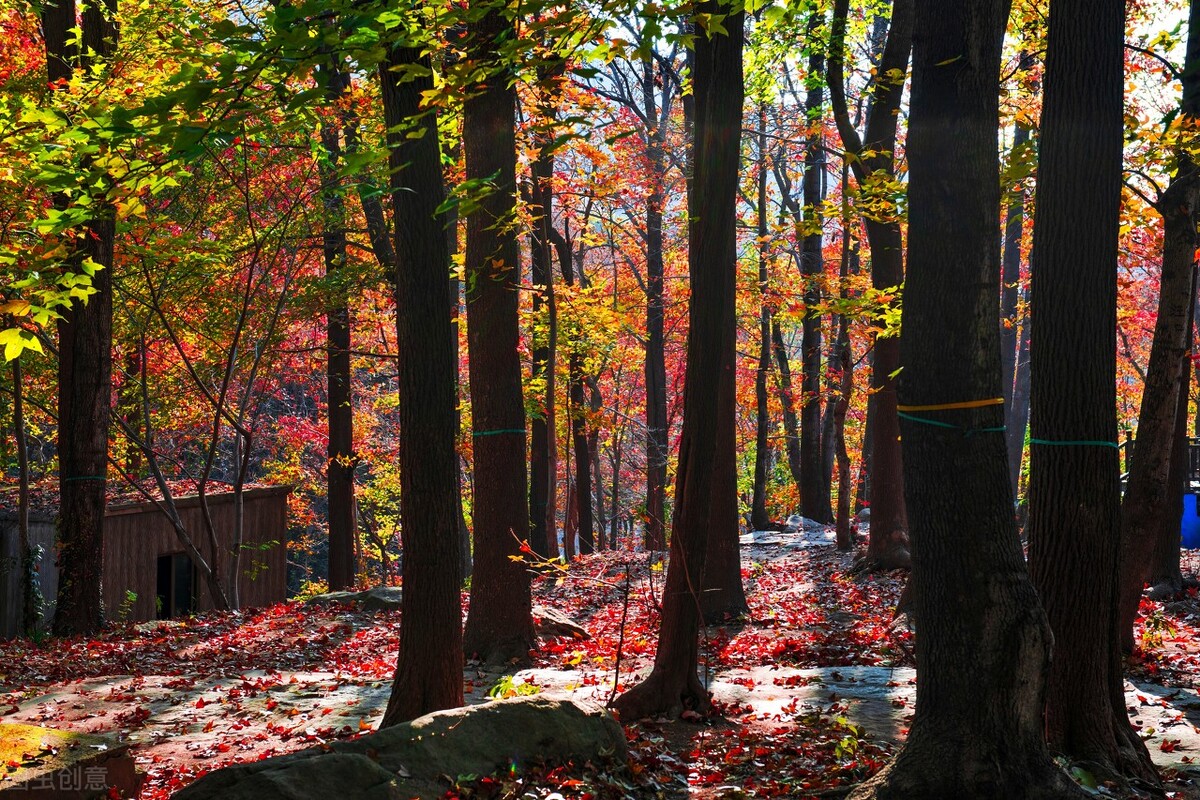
(411, 760)
(379, 598)
(553, 624)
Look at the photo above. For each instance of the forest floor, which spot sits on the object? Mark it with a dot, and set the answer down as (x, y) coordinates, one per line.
(811, 694)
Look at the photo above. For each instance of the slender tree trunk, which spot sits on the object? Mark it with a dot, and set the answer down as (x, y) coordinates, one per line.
(887, 547)
(340, 420)
(1146, 506)
(673, 683)
(1074, 488)
(499, 625)
(791, 428)
(657, 443)
(977, 725)
(814, 489)
(429, 666)
(759, 520)
(843, 358)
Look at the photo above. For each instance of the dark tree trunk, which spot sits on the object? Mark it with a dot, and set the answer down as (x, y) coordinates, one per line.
(814, 487)
(673, 684)
(1074, 487)
(341, 458)
(1146, 506)
(657, 442)
(759, 519)
(843, 358)
(887, 547)
(85, 359)
(977, 725)
(722, 595)
(429, 667)
(583, 459)
(499, 626)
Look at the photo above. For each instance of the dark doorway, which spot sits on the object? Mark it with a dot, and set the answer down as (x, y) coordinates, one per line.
(176, 586)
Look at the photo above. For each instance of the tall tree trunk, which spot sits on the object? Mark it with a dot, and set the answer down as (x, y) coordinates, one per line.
(874, 153)
(1145, 508)
(657, 441)
(673, 683)
(85, 356)
(340, 420)
(429, 666)
(1074, 487)
(759, 519)
(814, 488)
(977, 725)
(499, 625)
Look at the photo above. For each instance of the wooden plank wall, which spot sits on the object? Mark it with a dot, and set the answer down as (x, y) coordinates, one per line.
(136, 535)
(42, 532)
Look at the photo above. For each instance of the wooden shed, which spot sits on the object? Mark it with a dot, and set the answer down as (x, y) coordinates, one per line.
(147, 573)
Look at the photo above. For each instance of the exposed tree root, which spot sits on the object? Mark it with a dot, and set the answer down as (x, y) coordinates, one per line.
(663, 694)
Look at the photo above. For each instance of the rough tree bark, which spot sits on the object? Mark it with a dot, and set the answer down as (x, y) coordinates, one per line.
(977, 725)
(1146, 507)
(873, 159)
(429, 667)
(499, 624)
(85, 354)
(1074, 486)
(673, 683)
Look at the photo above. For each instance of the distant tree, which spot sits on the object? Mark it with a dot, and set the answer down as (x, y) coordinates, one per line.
(873, 159)
(673, 685)
(499, 623)
(429, 667)
(977, 725)
(1074, 483)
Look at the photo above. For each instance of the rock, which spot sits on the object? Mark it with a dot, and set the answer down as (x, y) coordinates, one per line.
(864, 516)
(379, 598)
(553, 624)
(793, 523)
(63, 765)
(410, 760)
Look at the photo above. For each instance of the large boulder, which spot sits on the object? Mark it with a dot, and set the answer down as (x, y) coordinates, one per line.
(413, 760)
